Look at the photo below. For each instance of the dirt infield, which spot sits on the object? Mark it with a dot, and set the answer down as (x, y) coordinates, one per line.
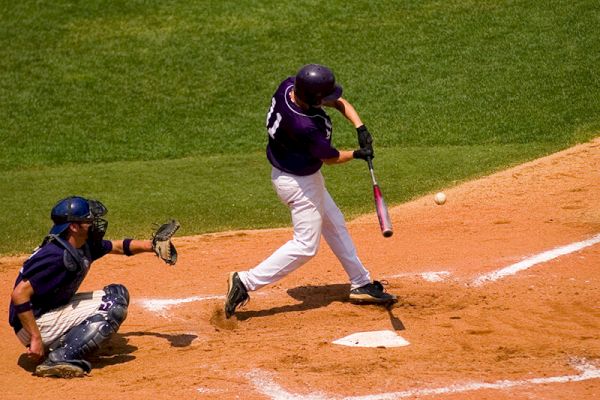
(499, 299)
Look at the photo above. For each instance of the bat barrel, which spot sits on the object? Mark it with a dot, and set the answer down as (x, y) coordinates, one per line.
(385, 222)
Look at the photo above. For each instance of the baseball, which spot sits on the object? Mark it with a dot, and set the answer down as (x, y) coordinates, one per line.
(439, 198)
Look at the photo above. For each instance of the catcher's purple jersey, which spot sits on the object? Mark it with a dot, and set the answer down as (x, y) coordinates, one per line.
(298, 139)
(53, 284)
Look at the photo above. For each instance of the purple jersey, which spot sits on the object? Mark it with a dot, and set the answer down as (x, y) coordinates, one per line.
(298, 139)
(53, 283)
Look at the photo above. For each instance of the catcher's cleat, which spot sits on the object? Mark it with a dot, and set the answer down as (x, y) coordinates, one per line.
(236, 294)
(372, 293)
(59, 370)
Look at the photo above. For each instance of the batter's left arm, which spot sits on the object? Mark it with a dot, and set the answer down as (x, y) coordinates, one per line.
(347, 110)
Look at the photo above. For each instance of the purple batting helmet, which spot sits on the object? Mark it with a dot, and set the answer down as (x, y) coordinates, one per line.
(315, 84)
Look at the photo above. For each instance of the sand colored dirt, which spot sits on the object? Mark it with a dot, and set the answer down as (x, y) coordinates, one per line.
(531, 335)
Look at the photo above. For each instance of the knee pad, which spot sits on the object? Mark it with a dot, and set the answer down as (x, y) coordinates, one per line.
(118, 293)
(87, 337)
(115, 302)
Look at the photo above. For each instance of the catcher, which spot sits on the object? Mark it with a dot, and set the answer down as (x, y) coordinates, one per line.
(48, 316)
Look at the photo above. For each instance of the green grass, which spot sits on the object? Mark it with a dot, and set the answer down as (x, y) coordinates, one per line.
(220, 193)
(157, 108)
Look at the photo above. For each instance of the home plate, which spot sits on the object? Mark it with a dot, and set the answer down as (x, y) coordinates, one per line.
(373, 339)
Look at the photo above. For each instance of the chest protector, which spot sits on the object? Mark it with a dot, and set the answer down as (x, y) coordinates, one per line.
(73, 259)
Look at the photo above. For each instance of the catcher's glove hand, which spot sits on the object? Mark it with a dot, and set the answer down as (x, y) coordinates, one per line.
(161, 242)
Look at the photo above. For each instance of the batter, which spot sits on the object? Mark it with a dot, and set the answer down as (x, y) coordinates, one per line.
(299, 142)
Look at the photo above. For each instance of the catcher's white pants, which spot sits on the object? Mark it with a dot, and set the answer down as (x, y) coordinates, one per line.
(55, 323)
(313, 212)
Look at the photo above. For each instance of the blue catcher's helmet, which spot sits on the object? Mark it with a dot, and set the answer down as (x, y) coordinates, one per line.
(74, 209)
(315, 84)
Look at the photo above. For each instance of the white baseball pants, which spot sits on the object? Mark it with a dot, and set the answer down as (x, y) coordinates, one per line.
(313, 212)
(55, 323)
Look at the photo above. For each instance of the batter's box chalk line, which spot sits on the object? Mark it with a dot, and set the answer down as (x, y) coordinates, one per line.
(440, 276)
(204, 390)
(430, 276)
(534, 260)
(162, 305)
(264, 383)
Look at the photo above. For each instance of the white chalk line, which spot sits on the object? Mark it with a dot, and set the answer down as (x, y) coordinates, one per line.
(204, 390)
(263, 382)
(430, 276)
(534, 260)
(439, 276)
(162, 305)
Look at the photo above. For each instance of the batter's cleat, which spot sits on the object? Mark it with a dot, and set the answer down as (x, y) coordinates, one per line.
(372, 293)
(236, 294)
(59, 370)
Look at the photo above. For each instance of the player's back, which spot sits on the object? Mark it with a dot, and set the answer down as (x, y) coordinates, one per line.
(294, 133)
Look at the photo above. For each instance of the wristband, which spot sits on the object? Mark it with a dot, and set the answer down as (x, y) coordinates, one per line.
(126, 248)
(23, 307)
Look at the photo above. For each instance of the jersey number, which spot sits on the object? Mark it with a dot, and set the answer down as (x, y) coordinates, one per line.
(271, 129)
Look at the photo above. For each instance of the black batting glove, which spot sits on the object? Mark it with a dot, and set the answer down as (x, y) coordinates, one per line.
(365, 140)
(363, 154)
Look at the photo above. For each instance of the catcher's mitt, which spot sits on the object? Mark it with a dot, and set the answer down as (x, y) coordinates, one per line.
(161, 242)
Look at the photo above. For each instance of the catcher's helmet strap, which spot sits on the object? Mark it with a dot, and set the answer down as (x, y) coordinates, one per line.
(72, 258)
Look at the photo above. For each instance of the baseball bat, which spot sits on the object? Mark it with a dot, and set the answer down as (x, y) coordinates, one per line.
(385, 222)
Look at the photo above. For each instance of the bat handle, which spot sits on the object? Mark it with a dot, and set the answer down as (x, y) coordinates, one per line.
(370, 163)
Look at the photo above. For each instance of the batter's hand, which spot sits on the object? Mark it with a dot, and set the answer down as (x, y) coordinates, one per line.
(363, 154)
(365, 140)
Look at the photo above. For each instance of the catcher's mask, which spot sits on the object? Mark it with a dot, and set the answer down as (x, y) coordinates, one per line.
(78, 209)
(315, 84)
